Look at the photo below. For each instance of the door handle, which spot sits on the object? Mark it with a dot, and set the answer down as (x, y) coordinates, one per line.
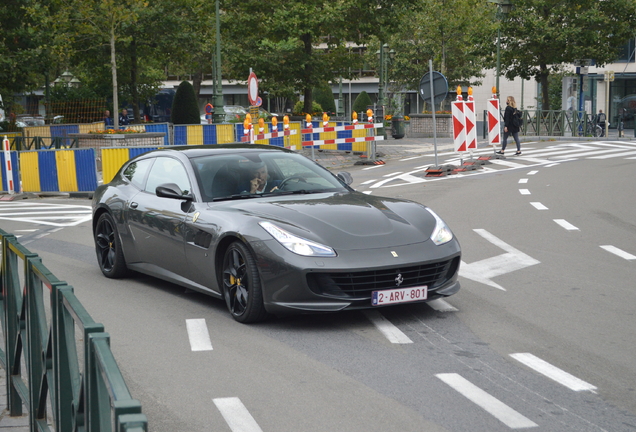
(133, 205)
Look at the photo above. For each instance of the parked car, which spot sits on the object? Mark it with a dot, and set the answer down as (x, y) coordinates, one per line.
(306, 243)
(233, 114)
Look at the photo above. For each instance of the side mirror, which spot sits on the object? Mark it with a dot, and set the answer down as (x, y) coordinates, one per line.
(171, 190)
(345, 177)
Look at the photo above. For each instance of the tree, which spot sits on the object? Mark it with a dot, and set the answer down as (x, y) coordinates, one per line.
(362, 102)
(279, 43)
(185, 109)
(446, 32)
(539, 36)
(324, 97)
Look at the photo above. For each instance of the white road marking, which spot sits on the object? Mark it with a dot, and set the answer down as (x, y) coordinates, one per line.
(551, 165)
(27, 230)
(367, 192)
(614, 155)
(368, 181)
(483, 271)
(198, 335)
(60, 215)
(507, 163)
(392, 174)
(489, 403)
(621, 253)
(565, 224)
(553, 372)
(372, 167)
(524, 191)
(523, 181)
(411, 158)
(538, 206)
(442, 306)
(237, 417)
(392, 333)
(533, 172)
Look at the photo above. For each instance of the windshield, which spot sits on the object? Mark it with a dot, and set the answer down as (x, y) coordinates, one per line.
(257, 174)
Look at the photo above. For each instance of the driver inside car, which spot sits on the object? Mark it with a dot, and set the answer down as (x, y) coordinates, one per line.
(259, 182)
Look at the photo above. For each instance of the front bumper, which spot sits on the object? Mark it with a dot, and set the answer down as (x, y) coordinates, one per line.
(293, 283)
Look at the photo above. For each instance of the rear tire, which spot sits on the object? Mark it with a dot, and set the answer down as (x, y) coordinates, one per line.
(242, 285)
(110, 255)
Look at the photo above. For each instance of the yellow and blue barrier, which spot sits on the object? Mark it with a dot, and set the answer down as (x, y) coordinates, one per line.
(201, 134)
(114, 157)
(58, 170)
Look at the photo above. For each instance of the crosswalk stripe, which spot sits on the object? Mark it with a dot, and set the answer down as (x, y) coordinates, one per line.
(198, 335)
(619, 252)
(629, 153)
(489, 403)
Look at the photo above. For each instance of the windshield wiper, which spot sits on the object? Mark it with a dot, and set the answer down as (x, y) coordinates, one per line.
(235, 197)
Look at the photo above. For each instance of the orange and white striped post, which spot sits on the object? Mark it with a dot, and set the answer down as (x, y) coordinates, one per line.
(8, 169)
(459, 122)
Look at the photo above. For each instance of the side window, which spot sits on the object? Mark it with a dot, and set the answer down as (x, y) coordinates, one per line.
(136, 172)
(167, 170)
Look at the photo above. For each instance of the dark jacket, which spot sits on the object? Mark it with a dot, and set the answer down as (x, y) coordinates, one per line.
(508, 115)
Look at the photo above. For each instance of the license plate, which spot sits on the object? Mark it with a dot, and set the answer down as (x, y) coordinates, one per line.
(398, 295)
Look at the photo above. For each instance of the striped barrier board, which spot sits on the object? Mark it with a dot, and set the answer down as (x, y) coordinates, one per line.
(342, 140)
(342, 128)
(494, 128)
(13, 181)
(270, 135)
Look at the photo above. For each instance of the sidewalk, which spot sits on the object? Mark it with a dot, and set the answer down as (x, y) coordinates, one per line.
(8, 423)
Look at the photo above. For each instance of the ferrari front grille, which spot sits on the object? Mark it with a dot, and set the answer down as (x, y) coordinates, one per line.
(359, 285)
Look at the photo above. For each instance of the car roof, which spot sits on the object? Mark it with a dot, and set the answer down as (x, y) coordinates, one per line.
(191, 151)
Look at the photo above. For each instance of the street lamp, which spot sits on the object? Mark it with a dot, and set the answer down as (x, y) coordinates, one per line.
(503, 8)
(219, 112)
(385, 55)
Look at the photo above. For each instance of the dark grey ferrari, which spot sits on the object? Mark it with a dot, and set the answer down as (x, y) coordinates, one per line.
(270, 232)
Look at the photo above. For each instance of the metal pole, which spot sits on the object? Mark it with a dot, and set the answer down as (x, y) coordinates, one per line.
(498, 59)
(219, 112)
(430, 71)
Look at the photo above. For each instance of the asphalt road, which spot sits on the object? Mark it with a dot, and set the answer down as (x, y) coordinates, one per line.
(538, 289)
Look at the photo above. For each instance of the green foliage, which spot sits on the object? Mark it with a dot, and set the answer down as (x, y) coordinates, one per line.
(299, 108)
(185, 109)
(361, 103)
(324, 97)
(540, 36)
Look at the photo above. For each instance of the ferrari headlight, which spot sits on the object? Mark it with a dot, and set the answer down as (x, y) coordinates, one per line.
(297, 244)
(442, 233)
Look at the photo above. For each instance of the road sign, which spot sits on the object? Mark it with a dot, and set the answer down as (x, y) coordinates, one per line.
(252, 89)
(440, 87)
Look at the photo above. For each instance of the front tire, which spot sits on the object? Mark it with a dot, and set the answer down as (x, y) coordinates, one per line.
(242, 285)
(110, 255)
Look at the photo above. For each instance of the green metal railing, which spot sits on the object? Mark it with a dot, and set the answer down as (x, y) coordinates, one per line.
(553, 123)
(40, 356)
(21, 143)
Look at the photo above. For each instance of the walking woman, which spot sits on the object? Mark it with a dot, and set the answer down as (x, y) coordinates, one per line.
(511, 125)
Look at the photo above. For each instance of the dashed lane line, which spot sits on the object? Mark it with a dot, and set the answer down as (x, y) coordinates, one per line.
(198, 335)
(524, 191)
(619, 252)
(565, 224)
(489, 403)
(237, 417)
(390, 331)
(538, 206)
(553, 372)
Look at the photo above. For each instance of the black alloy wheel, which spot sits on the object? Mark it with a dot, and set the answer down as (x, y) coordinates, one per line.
(241, 285)
(110, 255)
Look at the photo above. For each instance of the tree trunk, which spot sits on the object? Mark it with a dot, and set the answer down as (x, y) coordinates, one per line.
(197, 79)
(133, 79)
(543, 79)
(113, 64)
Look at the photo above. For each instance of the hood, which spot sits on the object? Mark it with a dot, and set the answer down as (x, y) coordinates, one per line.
(346, 221)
